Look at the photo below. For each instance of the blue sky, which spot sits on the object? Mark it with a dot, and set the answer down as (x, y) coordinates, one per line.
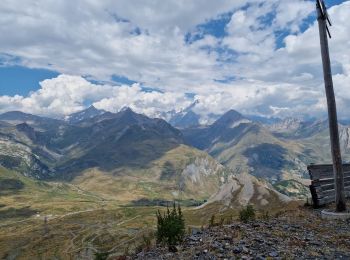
(230, 48)
(19, 80)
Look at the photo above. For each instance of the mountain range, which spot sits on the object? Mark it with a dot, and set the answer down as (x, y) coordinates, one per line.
(132, 158)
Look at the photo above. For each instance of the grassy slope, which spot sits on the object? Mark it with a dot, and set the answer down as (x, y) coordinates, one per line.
(293, 189)
(163, 178)
(118, 230)
(104, 223)
(22, 197)
(234, 156)
(318, 147)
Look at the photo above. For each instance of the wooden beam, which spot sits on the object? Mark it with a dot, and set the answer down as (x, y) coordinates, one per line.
(332, 112)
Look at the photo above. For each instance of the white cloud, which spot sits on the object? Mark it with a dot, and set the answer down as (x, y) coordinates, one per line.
(145, 41)
(87, 39)
(66, 94)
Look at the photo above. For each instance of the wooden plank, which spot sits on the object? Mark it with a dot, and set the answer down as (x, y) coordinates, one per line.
(324, 201)
(328, 185)
(327, 188)
(325, 172)
(321, 198)
(315, 167)
(328, 175)
(322, 194)
(328, 180)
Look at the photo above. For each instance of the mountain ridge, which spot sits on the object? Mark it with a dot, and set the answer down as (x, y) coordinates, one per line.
(113, 140)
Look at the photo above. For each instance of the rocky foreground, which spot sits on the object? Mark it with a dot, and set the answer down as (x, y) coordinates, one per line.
(300, 234)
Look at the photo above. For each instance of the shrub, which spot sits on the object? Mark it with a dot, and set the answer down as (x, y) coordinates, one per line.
(127, 249)
(189, 230)
(247, 214)
(229, 220)
(147, 241)
(265, 215)
(101, 255)
(221, 222)
(170, 227)
(212, 221)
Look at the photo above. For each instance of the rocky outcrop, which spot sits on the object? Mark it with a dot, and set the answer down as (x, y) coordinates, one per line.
(244, 189)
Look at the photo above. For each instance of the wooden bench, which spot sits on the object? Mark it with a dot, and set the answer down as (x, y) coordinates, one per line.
(322, 183)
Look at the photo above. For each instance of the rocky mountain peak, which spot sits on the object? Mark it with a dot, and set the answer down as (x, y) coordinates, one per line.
(287, 124)
(229, 118)
(85, 114)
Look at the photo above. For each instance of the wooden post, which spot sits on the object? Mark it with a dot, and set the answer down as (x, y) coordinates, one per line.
(332, 110)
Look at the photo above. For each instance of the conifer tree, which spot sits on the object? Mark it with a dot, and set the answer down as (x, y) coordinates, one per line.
(170, 227)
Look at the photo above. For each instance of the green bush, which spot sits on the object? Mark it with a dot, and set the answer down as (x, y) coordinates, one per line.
(247, 214)
(101, 255)
(170, 227)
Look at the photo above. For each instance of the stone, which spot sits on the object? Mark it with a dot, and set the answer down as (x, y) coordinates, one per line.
(245, 250)
(237, 250)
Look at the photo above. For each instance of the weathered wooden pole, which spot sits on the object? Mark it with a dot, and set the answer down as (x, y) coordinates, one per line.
(322, 18)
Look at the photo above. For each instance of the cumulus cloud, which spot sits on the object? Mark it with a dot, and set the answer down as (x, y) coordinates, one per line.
(274, 65)
(66, 94)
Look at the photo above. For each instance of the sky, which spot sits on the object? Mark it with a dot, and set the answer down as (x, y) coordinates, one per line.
(260, 57)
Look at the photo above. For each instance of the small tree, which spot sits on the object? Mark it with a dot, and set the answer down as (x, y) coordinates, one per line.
(170, 227)
(247, 214)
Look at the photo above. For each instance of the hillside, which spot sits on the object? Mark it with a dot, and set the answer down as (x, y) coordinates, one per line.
(247, 146)
(130, 158)
(278, 152)
(98, 143)
(55, 149)
(244, 189)
(183, 174)
(24, 198)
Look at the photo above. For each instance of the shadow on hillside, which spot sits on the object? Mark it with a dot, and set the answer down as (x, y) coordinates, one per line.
(17, 213)
(10, 162)
(10, 186)
(266, 159)
(144, 202)
(133, 155)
